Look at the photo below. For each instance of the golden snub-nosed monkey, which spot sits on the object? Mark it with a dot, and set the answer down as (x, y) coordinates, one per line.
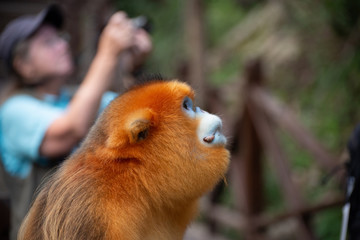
(138, 174)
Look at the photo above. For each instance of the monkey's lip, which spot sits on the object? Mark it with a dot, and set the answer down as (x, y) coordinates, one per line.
(209, 130)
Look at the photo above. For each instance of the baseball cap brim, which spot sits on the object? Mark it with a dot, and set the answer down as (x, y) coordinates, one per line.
(23, 27)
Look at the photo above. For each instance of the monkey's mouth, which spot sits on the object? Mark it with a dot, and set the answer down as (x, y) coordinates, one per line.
(215, 137)
(209, 129)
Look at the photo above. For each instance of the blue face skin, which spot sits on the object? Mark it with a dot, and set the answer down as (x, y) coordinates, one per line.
(188, 107)
(209, 129)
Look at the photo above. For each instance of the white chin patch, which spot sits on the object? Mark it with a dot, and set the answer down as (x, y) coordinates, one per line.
(209, 129)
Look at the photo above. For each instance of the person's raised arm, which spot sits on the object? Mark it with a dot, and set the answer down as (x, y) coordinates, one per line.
(66, 131)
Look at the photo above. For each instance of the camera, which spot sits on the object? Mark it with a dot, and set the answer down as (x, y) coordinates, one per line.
(141, 22)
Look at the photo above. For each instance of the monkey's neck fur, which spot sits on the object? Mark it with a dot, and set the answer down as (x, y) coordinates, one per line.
(133, 197)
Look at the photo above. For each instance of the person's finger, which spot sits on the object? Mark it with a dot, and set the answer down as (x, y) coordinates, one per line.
(118, 17)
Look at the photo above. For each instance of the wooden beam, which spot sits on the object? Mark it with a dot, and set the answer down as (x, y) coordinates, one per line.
(238, 221)
(264, 221)
(223, 215)
(286, 119)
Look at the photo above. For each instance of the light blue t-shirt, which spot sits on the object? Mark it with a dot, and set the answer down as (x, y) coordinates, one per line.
(23, 123)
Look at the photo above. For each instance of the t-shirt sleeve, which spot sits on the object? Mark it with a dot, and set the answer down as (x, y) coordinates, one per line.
(25, 121)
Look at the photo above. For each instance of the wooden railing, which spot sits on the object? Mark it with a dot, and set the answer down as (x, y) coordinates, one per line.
(255, 136)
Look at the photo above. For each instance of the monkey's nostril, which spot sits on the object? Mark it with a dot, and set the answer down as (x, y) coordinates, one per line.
(209, 139)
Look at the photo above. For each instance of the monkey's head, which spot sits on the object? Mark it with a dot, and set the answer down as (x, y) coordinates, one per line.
(155, 134)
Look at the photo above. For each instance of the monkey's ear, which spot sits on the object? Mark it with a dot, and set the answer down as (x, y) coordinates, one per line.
(136, 127)
(139, 125)
(139, 130)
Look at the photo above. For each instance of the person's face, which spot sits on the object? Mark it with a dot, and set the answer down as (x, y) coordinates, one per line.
(48, 56)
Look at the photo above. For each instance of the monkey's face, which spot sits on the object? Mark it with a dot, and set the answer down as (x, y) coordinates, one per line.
(175, 144)
(209, 125)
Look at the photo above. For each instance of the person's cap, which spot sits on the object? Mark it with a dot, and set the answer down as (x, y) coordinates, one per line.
(23, 27)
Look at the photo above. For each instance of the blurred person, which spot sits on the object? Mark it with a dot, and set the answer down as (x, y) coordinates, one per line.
(40, 121)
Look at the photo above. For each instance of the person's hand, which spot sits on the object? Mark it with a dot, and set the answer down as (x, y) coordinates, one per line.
(117, 36)
(142, 42)
(141, 48)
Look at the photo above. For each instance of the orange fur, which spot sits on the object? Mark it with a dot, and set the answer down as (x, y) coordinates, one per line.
(137, 175)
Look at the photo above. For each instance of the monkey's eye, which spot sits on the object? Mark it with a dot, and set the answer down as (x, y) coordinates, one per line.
(187, 106)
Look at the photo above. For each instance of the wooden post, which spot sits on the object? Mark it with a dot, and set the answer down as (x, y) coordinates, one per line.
(251, 150)
(265, 130)
(247, 164)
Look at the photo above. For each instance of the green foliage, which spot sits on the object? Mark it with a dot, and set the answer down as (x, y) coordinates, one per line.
(167, 32)
(343, 15)
(273, 196)
(334, 94)
(220, 18)
(232, 68)
(327, 224)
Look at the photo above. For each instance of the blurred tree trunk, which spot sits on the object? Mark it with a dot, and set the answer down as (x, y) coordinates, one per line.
(194, 30)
